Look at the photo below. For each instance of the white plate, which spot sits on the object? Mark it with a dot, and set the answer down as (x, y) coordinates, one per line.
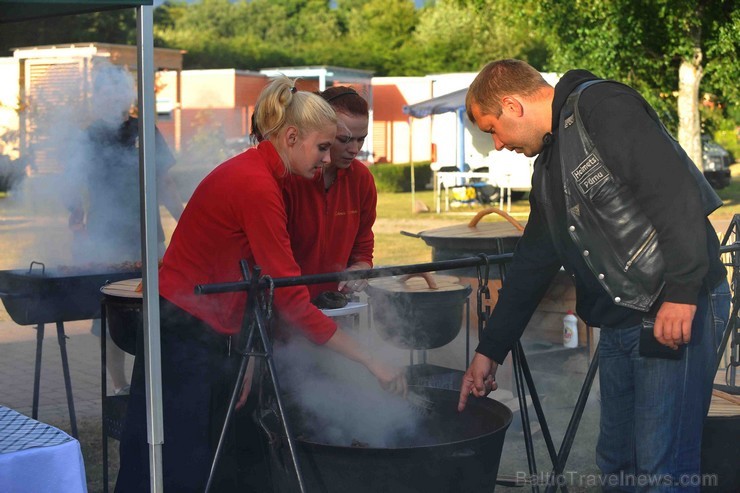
(350, 309)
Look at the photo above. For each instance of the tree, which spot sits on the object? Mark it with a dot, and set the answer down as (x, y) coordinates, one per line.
(112, 26)
(462, 35)
(375, 32)
(253, 35)
(665, 48)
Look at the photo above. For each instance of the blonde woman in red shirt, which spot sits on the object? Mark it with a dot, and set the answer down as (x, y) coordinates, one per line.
(330, 218)
(237, 212)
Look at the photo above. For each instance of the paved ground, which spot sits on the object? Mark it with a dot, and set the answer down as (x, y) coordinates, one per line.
(17, 357)
(34, 228)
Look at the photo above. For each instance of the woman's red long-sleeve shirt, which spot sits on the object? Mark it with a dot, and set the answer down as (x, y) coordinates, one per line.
(331, 229)
(238, 212)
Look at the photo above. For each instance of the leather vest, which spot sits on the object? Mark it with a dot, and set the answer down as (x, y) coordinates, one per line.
(616, 239)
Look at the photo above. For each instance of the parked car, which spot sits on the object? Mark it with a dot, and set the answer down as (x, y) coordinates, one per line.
(716, 163)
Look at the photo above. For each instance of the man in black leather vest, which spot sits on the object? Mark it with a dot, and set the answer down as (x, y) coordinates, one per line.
(618, 204)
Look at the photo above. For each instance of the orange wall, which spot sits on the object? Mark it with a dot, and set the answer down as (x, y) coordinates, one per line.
(222, 99)
(391, 139)
(248, 88)
(388, 103)
(226, 98)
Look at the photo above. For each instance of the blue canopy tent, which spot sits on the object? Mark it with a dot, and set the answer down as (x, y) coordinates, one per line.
(454, 101)
(15, 11)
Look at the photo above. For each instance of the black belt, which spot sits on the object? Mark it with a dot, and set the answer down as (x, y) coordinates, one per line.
(179, 323)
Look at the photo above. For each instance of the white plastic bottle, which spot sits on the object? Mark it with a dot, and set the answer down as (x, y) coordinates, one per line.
(570, 330)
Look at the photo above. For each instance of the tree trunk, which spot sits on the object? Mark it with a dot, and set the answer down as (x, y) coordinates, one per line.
(689, 123)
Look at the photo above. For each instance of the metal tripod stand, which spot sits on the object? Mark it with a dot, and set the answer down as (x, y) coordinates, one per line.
(254, 341)
(732, 333)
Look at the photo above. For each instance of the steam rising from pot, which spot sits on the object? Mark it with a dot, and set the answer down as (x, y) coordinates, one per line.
(340, 400)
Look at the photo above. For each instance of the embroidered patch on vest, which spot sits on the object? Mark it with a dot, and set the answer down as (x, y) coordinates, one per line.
(590, 173)
(569, 121)
(576, 210)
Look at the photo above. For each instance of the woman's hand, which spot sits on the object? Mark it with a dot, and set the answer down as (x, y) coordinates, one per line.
(246, 384)
(391, 379)
(354, 285)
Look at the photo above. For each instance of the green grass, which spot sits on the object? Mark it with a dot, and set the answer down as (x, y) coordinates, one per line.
(396, 213)
(731, 195)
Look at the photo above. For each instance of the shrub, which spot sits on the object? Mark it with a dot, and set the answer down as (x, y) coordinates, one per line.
(11, 173)
(728, 139)
(397, 177)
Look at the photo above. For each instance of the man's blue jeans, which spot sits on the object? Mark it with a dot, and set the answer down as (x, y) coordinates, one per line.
(652, 409)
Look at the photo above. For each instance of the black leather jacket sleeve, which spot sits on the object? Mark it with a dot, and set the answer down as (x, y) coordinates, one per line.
(529, 275)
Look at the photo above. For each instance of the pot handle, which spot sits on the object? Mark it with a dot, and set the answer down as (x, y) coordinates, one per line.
(33, 262)
(413, 235)
(273, 438)
(474, 222)
(427, 276)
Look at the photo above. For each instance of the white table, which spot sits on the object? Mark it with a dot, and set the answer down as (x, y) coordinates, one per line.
(462, 178)
(353, 309)
(38, 458)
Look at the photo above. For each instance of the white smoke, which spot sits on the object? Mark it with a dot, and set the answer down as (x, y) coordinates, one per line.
(61, 115)
(340, 401)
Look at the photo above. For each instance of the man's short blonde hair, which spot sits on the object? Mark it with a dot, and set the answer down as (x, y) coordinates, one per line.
(499, 79)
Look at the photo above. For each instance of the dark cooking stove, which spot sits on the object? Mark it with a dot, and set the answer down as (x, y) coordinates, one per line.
(37, 296)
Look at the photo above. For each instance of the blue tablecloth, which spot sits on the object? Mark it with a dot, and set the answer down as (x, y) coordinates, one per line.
(36, 457)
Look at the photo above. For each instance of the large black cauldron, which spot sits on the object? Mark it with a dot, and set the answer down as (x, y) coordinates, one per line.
(454, 452)
(37, 296)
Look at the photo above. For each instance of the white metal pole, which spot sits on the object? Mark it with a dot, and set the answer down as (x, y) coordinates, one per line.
(461, 144)
(150, 254)
(371, 125)
(411, 162)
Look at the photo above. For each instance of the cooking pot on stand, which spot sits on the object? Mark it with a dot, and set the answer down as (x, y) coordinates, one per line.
(123, 311)
(469, 240)
(451, 451)
(411, 314)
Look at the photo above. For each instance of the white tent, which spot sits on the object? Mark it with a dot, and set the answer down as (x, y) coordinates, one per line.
(454, 101)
